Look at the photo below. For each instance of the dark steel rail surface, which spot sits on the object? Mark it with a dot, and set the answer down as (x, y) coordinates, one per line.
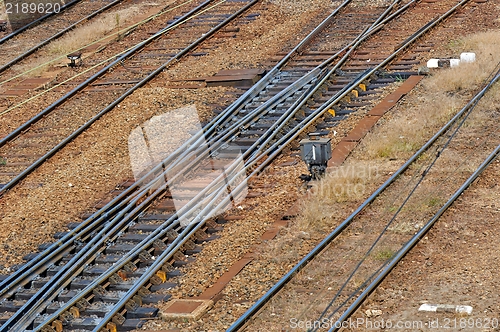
(18, 131)
(37, 21)
(335, 233)
(57, 35)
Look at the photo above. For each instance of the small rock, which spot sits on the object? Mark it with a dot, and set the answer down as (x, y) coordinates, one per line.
(304, 235)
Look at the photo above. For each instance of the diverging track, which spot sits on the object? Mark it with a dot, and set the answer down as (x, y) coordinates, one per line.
(63, 288)
(353, 259)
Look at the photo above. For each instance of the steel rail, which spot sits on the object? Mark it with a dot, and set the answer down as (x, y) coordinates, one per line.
(101, 72)
(207, 212)
(103, 213)
(37, 21)
(23, 317)
(94, 77)
(229, 19)
(235, 107)
(112, 230)
(413, 241)
(160, 232)
(266, 297)
(282, 122)
(57, 35)
(222, 118)
(263, 82)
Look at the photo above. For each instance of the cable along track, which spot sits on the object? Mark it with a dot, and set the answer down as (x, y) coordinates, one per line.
(55, 126)
(19, 45)
(118, 214)
(352, 278)
(140, 264)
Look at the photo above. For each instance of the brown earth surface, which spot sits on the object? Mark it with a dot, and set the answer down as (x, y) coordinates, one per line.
(66, 187)
(93, 164)
(277, 257)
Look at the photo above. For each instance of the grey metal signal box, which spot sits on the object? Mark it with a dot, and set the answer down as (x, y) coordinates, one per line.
(316, 152)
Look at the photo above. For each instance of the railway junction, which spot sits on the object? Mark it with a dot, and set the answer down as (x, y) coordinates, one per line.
(250, 165)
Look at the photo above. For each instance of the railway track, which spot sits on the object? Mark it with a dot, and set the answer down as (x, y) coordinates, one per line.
(147, 258)
(96, 220)
(9, 34)
(339, 291)
(23, 42)
(71, 114)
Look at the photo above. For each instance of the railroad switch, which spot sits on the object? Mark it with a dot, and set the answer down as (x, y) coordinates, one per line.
(316, 152)
(75, 58)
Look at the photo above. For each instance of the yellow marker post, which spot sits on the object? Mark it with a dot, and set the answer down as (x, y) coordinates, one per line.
(162, 275)
(111, 327)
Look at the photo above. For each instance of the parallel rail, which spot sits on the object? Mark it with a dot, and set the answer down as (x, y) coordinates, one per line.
(107, 224)
(33, 49)
(37, 22)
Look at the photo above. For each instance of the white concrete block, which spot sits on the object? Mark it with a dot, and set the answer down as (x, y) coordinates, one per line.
(454, 62)
(433, 63)
(468, 57)
(461, 309)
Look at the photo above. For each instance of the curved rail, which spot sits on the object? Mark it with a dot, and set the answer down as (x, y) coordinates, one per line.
(413, 241)
(335, 233)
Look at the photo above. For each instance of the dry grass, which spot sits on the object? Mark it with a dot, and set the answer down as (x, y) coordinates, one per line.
(486, 46)
(93, 31)
(444, 93)
(79, 38)
(345, 184)
(3, 12)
